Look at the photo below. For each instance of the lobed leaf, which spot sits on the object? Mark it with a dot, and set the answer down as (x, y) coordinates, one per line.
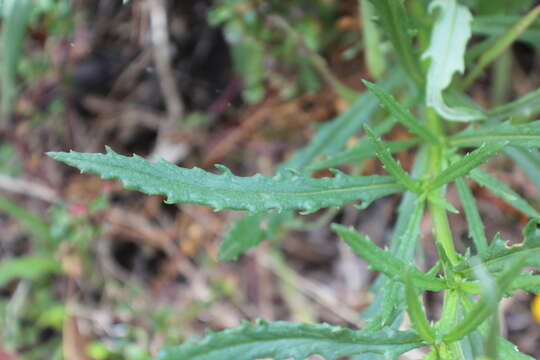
(402, 115)
(502, 191)
(524, 135)
(225, 191)
(446, 50)
(386, 263)
(464, 165)
(283, 340)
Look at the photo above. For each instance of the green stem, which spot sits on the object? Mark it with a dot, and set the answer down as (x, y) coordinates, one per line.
(441, 227)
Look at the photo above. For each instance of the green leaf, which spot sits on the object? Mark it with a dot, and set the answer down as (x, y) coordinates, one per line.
(244, 235)
(35, 224)
(529, 161)
(446, 50)
(361, 151)
(226, 191)
(386, 263)
(16, 14)
(282, 340)
(481, 310)
(389, 295)
(402, 115)
(464, 165)
(390, 164)
(474, 222)
(28, 268)
(416, 312)
(502, 191)
(332, 136)
(395, 23)
(375, 60)
(500, 45)
(526, 107)
(524, 135)
(499, 255)
(497, 25)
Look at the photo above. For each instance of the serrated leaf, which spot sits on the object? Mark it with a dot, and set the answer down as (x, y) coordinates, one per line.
(283, 340)
(499, 255)
(332, 136)
(390, 164)
(394, 21)
(465, 165)
(389, 295)
(446, 50)
(524, 135)
(244, 235)
(401, 114)
(502, 191)
(386, 263)
(361, 151)
(474, 222)
(225, 191)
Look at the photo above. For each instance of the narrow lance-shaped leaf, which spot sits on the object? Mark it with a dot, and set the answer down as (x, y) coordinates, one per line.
(464, 165)
(529, 161)
(502, 191)
(416, 312)
(501, 45)
(394, 21)
(402, 115)
(481, 310)
(389, 301)
(332, 135)
(390, 164)
(361, 151)
(329, 139)
(446, 50)
(474, 222)
(282, 340)
(499, 24)
(526, 106)
(375, 59)
(386, 263)
(226, 191)
(524, 135)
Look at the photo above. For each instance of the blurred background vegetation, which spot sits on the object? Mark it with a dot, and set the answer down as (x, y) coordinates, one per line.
(91, 271)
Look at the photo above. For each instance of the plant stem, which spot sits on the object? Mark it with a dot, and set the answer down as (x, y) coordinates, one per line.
(441, 228)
